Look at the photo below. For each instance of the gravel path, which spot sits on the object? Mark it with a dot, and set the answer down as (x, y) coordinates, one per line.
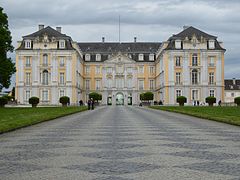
(122, 143)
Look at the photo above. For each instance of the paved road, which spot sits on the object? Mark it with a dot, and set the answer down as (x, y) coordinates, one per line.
(122, 143)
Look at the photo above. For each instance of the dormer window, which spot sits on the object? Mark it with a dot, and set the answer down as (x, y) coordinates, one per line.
(87, 57)
(62, 44)
(211, 44)
(140, 57)
(151, 57)
(98, 57)
(178, 44)
(28, 44)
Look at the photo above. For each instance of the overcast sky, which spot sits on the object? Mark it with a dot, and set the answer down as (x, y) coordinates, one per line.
(149, 20)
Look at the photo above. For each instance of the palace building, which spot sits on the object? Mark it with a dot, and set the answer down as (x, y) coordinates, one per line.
(51, 65)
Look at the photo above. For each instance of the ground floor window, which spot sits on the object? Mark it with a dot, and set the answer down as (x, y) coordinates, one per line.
(45, 95)
(194, 94)
(178, 92)
(212, 93)
(27, 95)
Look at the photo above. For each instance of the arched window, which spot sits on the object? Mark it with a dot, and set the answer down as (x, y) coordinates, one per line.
(45, 77)
(194, 76)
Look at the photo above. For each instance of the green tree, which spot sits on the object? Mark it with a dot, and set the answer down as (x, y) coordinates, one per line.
(210, 100)
(33, 101)
(148, 96)
(181, 100)
(7, 67)
(96, 97)
(237, 100)
(64, 100)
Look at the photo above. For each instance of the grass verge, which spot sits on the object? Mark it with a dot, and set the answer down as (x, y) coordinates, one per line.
(229, 115)
(14, 118)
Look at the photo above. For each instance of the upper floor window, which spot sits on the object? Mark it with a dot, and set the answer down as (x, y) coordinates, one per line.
(98, 70)
(45, 77)
(28, 44)
(28, 61)
(28, 78)
(61, 44)
(87, 57)
(119, 69)
(151, 57)
(211, 44)
(109, 83)
(129, 83)
(98, 57)
(109, 70)
(151, 84)
(61, 61)
(98, 84)
(45, 60)
(87, 69)
(194, 76)
(140, 69)
(61, 93)
(129, 70)
(151, 69)
(178, 44)
(211, 78)
(194, 60)
(140, 57)
(141, 84)
(178, 92)
(178, 78)
(211, 61)
(178, 61)
(62, 81)
(87, 84)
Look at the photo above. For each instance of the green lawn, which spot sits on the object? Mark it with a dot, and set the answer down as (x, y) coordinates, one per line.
(14, 118)
(230, 115)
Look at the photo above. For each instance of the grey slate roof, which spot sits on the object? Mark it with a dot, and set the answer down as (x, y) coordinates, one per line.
(230, 85)
(189, 32)
(47, 30)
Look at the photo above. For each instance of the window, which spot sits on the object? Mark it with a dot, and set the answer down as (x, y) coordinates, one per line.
(211, 93)
(98, 57)
(140, 69)
(194, 76)
(151, 69)
(178, 92)
(178, 78)
(151, 84)
(151, 57)
(211, 61)
(129, 70)
(140, 57)
(87, 84)
(194, 60)
(28, 44)
(27, 95)
(232, 94)
(87, 57)
(61, 61)
(119, 82)
(62, 44)
(45, 77)
(211, 78)
(45, 60)
(109, 83)
(178, 61)
(109, 70)
(141, 84)
(211, 44)
(98, 84)
(62, 78)
(178, 44)
(87, 70)
(129, 83)
(28, 78)
(194, 94)
(61, 93)
(28, 61)
(45, 95)
(98, 70)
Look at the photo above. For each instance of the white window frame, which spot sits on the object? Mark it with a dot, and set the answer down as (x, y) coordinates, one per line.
(98, 57)
(87, 84)
(109, 83)
(87, 57)
(151, 69)
(129, 70)
(151, 84)
(27, 95)
(129, 83)
(98, 70)
(178, 93)
(178, 77)
(61, 78)
(28, 61)
(62, 44)
(28, 78)
(141, 84)
(195, 92)
(45, 95)
(61, 93)
(87, 69)
(140, 57)
(178, 44)
(212, 92)
(178, 61)
(140, 69)
(195, 59)
(109, 70)
(151, 57)
(211, 44)
(45, 60)
(61, 61)
(211, 77)
(98, 84)
(211, 61)
(28, 44)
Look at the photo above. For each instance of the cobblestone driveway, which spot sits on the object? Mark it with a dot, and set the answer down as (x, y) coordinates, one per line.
(122, 143)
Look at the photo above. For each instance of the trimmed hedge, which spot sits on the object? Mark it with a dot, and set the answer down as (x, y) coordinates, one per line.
(64, 100)
(237, 100)
(3, 101)
(33, 101)
(181, 100)
(210, 100)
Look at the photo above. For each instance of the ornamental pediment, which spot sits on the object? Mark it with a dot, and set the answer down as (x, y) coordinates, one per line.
(120, 59)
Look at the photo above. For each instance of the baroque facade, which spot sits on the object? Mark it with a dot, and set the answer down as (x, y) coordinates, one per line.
(50, 65)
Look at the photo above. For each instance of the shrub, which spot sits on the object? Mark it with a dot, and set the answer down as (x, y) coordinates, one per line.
(9, 98)
(148, 96)
(181, 100)
(210, 100)
(3, 101)
(64, 100)
(237, 100)
(142, 97)
(95, 96)
(33, 101)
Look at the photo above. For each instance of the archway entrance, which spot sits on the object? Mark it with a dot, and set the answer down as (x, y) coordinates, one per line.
(119, 99)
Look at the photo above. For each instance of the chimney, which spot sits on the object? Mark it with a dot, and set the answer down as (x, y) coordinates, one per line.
(135, 39)
(234, 81)
(40, 26)
(58, 29)
(103, 39)
(185, 27)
